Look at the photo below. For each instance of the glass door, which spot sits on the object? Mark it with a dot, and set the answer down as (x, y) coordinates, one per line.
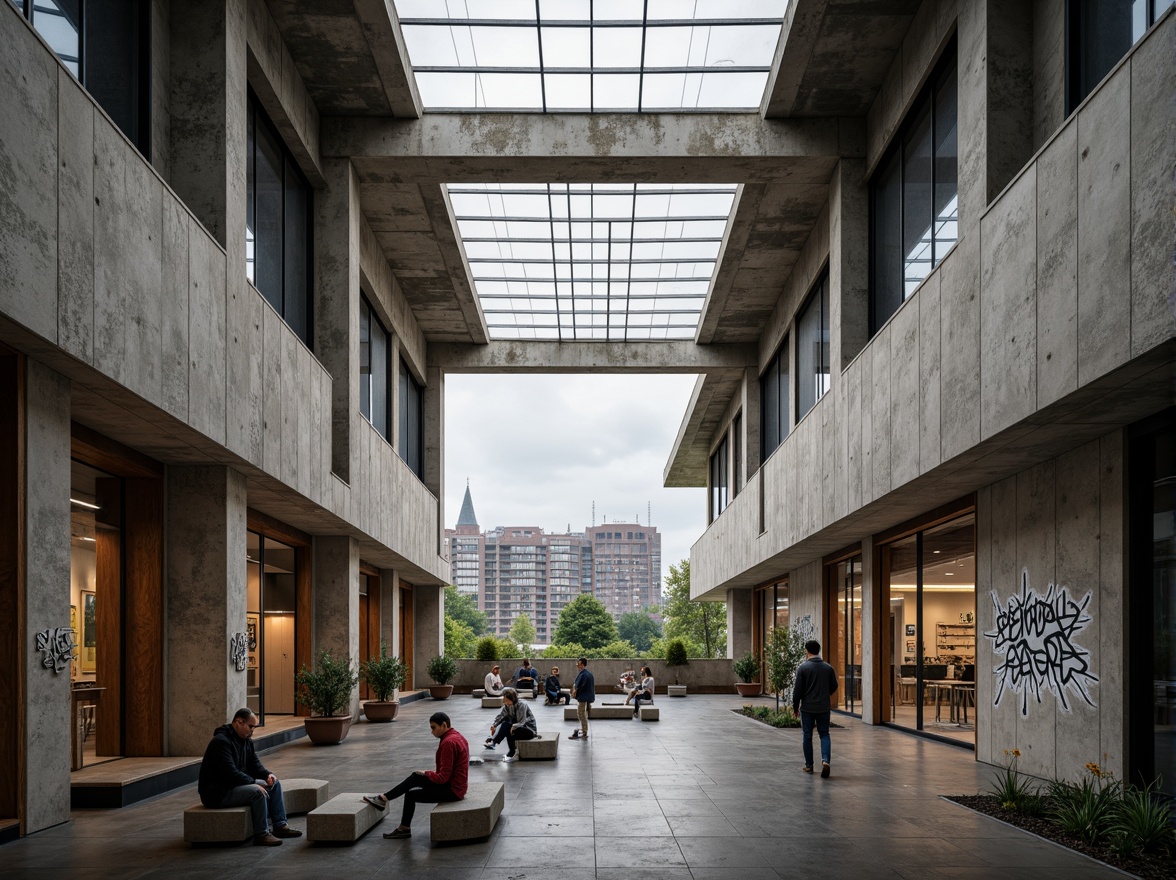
(844, 651)
(269, 625)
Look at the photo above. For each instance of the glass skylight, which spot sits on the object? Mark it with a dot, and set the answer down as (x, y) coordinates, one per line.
(592, 261)
(591, 56)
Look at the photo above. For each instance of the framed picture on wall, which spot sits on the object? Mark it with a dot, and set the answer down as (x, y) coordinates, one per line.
(73, 625)
(910, 646)
(89, 649)
(910, 629)
(251, 623)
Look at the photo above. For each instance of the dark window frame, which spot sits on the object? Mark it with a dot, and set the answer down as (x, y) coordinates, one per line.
(366, 407)
(924, 102)
(258, 118)
(1076, 89)
(818, 297)
(407, 382)
(720, 478)
(783, 407)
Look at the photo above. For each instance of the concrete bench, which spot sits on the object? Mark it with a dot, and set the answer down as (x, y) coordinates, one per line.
(649, 713)
(545, 749)
(471, 818)
(676, 690)
(491, 702)
(479, 693)
(303, 795)
(226, 825)
(600, 712)
(345, 818)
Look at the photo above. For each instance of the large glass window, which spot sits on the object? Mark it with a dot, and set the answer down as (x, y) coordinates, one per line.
(104, 43)
(931, 576)
(774, 402)
(812, 349)
(269, 625)
(737, 455)
(374, 345)
(277, 224)
(720, 481)
(914, 205)
(1101, 32)
(844, 649)
(411, 421)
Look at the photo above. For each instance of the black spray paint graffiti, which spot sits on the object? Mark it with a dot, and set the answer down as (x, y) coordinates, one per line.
(805, 627)
(1035, 634)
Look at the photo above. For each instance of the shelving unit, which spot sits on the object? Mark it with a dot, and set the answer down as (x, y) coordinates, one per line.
(958, 639)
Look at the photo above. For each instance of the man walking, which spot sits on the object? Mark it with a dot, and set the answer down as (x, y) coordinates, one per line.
(448, 782)
(815, 683)
(584, 693)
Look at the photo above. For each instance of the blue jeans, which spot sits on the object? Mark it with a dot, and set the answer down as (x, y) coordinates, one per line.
(821, 719)
(266, 808)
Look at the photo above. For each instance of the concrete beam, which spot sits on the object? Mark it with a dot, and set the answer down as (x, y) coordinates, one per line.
(687, 465)
(381, 28)
(663, 148)
(531, 356)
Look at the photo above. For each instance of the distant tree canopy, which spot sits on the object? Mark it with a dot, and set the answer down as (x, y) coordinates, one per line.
(459, 638)
(585, 621)
(640, 629)
(463, 607)
(701, 625)
(522, 633)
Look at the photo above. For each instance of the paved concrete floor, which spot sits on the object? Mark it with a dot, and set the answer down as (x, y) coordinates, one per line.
(702, 794)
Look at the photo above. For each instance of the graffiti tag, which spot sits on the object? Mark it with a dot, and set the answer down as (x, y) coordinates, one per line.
(57, 646)
(1035, 634)
(805, 627)
(238, 648)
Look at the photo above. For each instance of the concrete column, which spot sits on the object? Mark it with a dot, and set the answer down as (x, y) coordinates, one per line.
(434, 447)
(751, 425)
(45, 782)
(336, 303)
(394, 396)
(848, 264)
(336, 601)
(390, 610)
(875, 619)
(738, 623)
(207, 602)
(428, 629)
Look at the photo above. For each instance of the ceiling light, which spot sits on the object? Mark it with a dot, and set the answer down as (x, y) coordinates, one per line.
(91, 540)
(85, 504)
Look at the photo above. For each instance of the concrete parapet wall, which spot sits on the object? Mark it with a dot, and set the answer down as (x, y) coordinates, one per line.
(700, 676)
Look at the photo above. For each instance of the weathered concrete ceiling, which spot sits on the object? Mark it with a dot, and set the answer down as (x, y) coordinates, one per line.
(350, 54)
(689, 459)
(833, 56)
(525, 356)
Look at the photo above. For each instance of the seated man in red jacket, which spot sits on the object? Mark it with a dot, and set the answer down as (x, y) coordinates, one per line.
(447, 783)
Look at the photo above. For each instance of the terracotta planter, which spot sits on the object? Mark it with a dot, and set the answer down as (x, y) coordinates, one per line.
(748, 689)
(381, 711)
(327, 730)
(441, 691)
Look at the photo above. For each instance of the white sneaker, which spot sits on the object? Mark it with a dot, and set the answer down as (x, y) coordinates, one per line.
(509, 758)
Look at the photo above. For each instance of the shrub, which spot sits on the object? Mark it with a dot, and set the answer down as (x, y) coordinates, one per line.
(487, 649)
(326, 689)
(1015, 792)
(558, 652)
(774, 717)
(442, 669)
(1088, 808)
(618, 650)
(383, 674)
(676, 656)
(747, 668)
(1142, 822)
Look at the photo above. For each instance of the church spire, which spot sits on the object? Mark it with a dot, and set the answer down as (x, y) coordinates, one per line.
(467, 517)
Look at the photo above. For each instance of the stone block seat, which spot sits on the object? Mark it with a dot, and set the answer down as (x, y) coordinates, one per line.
(471, 818)
(479, 693)
(649, 713)
(491, 702)
(600, 713)
(345, 818)
(303, 795)
(676, 690)
(544, 749)
(227, 825)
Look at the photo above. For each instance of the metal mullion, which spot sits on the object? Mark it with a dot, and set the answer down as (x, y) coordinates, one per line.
(690, 218)
(610, 71)
(591, 58)
(595, 296)
(537, 261)
(641, 75)
(485, 240)
(647, 190)
(491, 111)
(539, 46)
(629, 262)
(551, 225)
(520, 279)
(571, 262)
(590, 23)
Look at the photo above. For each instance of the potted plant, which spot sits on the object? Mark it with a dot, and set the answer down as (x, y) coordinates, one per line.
(442, 670)
(676, 659)
(747, 670)
(384, 675)
(326, 689)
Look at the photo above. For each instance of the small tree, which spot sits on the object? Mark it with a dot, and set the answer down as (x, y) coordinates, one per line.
(326, 689)
(676, 656)
(487, 649)
(618, 650)
(785, 654)
(558, 652)
(639, 628)
(459, 638)
(585, 621)
(522, 632)
(383, 674)
(747, 668)
(442, 669)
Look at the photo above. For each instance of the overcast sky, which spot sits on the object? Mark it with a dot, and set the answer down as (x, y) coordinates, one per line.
(538, 450)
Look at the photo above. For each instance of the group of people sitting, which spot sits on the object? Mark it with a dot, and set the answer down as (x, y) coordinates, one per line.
(526, 677)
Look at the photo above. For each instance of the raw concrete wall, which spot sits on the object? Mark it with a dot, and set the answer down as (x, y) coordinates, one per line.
(1059, 525)
(1059, 282)
(45, 780)
(336, 602)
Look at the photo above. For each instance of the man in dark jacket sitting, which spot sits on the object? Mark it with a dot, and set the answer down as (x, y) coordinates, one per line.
(232, 776)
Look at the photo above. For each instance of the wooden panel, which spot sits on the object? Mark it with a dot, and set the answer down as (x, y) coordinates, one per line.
(364, 649)
(108, 598)
(264, 524)
(105, 454)
(303, 610)
(143, 604)
(406, 624)
(373, 622)
(12, 576)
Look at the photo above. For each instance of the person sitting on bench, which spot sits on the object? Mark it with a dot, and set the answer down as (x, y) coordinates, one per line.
(514, 722)
(554, 690)
(493, 683)
(644, 691)
(527, 677)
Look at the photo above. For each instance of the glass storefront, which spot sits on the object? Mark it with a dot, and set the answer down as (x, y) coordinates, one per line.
(269, 625)
(931, 577)
(844, 651)
(770, 610)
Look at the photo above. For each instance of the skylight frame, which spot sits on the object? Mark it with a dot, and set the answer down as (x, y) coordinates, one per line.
(536, 85)
(592, 276)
